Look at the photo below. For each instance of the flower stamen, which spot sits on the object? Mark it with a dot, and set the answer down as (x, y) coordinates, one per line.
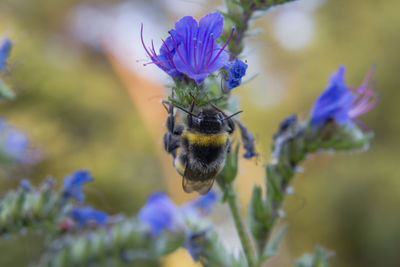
(179, 54)
(223, 48)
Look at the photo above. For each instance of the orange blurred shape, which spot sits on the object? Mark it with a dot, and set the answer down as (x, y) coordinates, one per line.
(153, 115)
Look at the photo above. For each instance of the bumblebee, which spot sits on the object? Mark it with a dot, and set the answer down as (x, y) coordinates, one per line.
(203, 143)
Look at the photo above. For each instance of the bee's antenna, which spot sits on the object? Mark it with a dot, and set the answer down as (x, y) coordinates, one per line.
(218, 109)
(234, 114)
(188, 112)
(165, 106)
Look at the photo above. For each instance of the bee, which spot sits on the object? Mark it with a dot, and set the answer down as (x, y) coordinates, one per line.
(204, 142)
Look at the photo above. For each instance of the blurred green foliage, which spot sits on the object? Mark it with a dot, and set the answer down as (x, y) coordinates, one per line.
(72, 105)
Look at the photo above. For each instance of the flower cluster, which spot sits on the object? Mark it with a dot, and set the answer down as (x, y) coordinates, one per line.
(86, 215)
(161, 213)
(341, 103)
(81, 215)
(236, 70)
(73, 185)
(192, 49)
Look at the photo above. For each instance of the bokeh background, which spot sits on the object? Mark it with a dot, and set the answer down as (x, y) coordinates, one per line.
(86, 101)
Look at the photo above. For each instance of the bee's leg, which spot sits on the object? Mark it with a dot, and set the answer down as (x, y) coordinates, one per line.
(172, 137)
(171, 143)
(228, 146)
(231, 126)
(180, 163)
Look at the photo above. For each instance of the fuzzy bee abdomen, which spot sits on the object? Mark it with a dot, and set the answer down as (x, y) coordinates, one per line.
(206, 154)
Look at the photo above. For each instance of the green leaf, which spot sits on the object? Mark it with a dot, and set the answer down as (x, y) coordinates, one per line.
(319, 259)
(259, 218)
(168, 242)
(272, 247)
(229, 172)
(274, 182)
(5, 91)
(338, 137)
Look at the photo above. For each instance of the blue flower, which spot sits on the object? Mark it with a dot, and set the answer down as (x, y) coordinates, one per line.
(87, 214)
(160, 213)
(236, 70)
(341, 103)
(73, 184)
(191, 48)
(5, 48)
(13, 143)
(25, 184)
(201, 205)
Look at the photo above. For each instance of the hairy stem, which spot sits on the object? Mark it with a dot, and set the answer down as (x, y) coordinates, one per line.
(240, 227)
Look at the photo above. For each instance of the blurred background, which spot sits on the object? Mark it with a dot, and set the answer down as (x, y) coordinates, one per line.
(86, 101)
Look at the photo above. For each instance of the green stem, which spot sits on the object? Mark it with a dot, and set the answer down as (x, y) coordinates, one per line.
(240, 227)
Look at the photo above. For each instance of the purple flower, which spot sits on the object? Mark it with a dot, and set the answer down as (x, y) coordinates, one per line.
(5, 48)
(25, 184)
(191, 48)
(73, 184)
(342, 103)
(201, 205)
(161, 213)
(85, 215)
(13, 143)
(236, 70)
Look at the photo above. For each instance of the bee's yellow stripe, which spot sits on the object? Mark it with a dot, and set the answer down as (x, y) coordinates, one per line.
(206, 139)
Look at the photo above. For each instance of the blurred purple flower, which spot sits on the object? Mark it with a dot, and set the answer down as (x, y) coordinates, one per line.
(25, 184)
(236, 70)
(342, 103)
(5, 48)
(191, 48)
(13, 143)
(73, 185)
(201, 205)
(85, 215)
(161, 213)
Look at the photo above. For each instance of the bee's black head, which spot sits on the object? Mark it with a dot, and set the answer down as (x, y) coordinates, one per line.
(208, 121)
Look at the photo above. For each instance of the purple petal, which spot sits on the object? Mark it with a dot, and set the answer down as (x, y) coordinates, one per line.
(87, 214)
(210, 28)
(220, 61)
(201, 205)
(335, 101)
(5, 47)
(160, 213)
(201, 73)
(73, 184)
(212, 23)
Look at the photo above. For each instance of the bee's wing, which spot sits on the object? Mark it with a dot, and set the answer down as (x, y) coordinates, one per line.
(202, 186)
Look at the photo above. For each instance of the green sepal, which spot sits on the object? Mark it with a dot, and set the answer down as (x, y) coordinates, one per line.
(272, 247)
(229, 172)
(213, 253)
(319, 259)
(274, 184)
(168, 242)
(5, 91)
(337, 137)
(259, 218)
